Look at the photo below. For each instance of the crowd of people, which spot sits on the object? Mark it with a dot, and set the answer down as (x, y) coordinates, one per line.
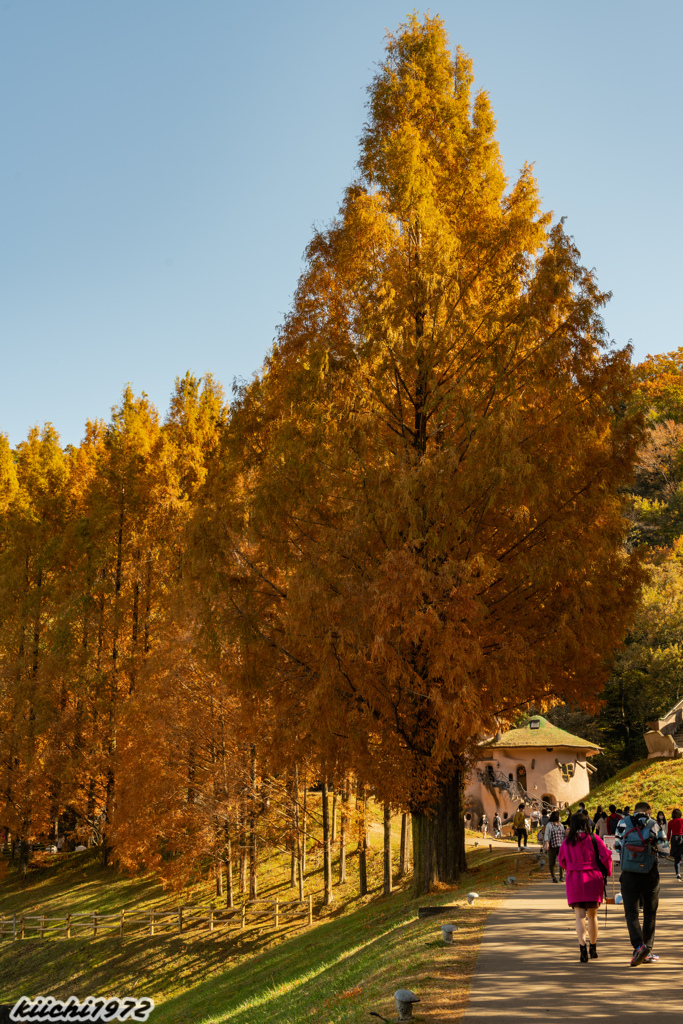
(581, 849)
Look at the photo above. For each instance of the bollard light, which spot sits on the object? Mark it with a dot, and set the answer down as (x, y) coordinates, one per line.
(472, 896)
(447, 932)
(404, 1003)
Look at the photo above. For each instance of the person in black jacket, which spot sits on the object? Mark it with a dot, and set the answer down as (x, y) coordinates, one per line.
(638, 837)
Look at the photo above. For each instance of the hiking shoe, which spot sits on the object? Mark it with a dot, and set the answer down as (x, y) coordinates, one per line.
(593, 951)
(651, 958)
(640, 954)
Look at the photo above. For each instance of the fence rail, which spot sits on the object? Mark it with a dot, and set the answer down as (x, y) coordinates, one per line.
(177, 920)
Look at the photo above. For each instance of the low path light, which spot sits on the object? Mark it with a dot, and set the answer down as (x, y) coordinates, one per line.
(404, 1003)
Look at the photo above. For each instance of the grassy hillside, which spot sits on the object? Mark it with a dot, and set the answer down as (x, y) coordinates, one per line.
(357, 953)
(346, 964)
(659, 781)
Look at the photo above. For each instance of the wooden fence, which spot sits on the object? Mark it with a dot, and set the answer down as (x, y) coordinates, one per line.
(92, 924)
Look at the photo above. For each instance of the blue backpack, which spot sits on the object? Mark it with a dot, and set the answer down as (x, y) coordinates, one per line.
(637, 853)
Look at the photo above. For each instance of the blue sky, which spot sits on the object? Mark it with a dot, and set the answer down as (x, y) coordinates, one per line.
(163, 162)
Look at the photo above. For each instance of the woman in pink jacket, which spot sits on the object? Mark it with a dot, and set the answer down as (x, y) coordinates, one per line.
(582, 855)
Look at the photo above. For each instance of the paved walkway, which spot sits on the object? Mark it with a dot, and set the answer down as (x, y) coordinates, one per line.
(528, 964)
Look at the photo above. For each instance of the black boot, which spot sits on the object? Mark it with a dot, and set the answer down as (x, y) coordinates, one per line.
(593, 951)
(584, 954)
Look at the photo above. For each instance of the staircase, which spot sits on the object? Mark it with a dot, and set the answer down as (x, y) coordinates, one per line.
(678, 738)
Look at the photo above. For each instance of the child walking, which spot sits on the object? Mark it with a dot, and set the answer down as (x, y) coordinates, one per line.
(587, 862)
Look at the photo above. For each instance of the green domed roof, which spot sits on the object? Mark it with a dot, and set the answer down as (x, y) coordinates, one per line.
(539, 732)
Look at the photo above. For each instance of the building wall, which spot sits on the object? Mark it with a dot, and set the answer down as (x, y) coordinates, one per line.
(543, 779)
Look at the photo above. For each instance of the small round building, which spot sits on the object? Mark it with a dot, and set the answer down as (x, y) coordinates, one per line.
(538, 764)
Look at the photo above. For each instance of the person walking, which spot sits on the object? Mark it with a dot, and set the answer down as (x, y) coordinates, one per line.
(674, 834)
(582, 810)
(636, 841)
(587, 862)
(597, 815)
(553, 839)
(661, 820)
(601, 825)
(613, 820)
(497, 826)
(519, 825)
(484, 826)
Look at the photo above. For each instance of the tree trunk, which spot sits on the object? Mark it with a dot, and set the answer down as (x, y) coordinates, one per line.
(439, 840)
(243, 845)
(230, 898)
(304, 824)
(219, 876)
(327, 846)
(404, 862)
(362, 872)
(366, 830)
(294, 846)
(253, 852)
(361, 804)
(299, 846)
(24, 855)
(387, 850)
(333, 836)
(343, 830)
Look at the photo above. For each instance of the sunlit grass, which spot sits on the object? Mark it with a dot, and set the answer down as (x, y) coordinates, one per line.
(659, 781)
(358, 952)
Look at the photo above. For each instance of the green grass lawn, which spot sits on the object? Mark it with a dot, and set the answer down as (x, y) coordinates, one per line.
(659, 781)
(357, 953)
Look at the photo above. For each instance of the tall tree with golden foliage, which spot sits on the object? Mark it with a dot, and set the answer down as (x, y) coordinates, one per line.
(418, 515)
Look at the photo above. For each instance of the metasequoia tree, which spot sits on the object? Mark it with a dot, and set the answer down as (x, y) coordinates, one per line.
(417, 516)
(30, 542)
(91, 554)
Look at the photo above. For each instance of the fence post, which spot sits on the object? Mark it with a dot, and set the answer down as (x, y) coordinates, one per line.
(21, 935)
(211, 919)
(244, 915)
(42, 924)
(276, 916)
(310, 909)
(68, 926)
(2, 927)
(14, 927)
(180, 919)
(121, 924)
(151, 922)
(94, 924)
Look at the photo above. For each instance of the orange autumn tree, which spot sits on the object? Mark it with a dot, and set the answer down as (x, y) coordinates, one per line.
(659, 385)
(32, 518)
(418, 516)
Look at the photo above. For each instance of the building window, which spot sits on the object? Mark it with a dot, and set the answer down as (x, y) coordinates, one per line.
(521, 777)
(510, 777)
(489, 772)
